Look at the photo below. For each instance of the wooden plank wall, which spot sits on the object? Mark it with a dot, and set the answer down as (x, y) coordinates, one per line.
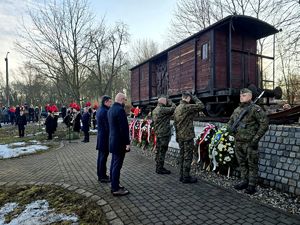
(144, 82)
(181, 68)
(135, 85)
(243, 65)
(203, 66)
(221, 59)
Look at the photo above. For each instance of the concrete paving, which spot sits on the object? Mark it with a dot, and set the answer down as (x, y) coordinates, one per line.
(153, 198)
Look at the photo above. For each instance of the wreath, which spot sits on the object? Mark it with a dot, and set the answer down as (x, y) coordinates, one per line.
(221, 149)
(202, 144)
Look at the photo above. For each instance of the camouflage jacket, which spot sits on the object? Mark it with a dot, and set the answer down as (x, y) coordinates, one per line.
(161, 118)
(253, 126)
(183, 119)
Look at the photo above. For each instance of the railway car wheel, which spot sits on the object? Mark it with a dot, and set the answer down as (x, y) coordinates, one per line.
(214, 110)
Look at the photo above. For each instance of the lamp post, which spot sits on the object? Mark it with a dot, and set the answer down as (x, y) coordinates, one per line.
(7, 87)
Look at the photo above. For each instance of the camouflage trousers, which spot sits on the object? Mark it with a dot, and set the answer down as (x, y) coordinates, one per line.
(185, 157)
(161, 149)
(247, 158)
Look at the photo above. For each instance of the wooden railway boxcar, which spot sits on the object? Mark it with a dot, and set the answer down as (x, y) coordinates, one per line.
(214, 64)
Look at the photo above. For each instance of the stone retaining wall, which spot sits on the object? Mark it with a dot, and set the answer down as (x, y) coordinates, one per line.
(279, 161)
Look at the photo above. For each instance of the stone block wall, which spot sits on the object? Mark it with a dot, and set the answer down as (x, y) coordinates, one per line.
(279, 161)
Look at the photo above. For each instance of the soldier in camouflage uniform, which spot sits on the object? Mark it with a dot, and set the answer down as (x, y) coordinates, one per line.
(161, 118)
(248, 133)
(183, 120)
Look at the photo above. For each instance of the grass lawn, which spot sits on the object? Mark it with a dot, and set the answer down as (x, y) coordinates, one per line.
(61, 200)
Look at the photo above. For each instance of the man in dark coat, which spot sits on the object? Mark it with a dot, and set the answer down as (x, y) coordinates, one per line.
(119, 142)
(50, 124)
(21, 122)
(86, 125)
(103, 139)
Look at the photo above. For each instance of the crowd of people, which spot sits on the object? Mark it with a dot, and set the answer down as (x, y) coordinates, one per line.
(249, 120)
(10, 114)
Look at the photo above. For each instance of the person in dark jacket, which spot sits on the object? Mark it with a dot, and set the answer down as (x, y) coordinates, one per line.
(76, 122)
(31, 113)
(119, 142)
(21, 122)
(103, 138)
(94, 121)
(50, 124)
(37, 114)
(17, 111)
(63, 111)
(86, 125)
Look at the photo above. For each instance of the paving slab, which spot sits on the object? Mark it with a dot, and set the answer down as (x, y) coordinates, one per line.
(153, 198)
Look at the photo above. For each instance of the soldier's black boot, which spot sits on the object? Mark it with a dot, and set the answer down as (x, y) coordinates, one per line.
(250, 190)
(187, 180)
(242, 185)
(162, 171)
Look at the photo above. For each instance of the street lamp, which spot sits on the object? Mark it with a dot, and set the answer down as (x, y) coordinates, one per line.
(7, 87)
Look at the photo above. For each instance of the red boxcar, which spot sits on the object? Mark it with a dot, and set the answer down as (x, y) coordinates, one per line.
(214, 64)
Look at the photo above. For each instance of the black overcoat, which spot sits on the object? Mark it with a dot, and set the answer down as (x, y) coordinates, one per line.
(103, 129)
(118, 129)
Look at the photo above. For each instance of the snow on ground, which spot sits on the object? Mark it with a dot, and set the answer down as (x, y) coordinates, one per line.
(19, 148)
(93, 131)
(36, 212)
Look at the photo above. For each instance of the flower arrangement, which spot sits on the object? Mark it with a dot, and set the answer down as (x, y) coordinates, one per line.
(142, 133)
(202, 143)
(221, 149)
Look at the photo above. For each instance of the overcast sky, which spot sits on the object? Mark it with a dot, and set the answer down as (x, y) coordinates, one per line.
(145, 18)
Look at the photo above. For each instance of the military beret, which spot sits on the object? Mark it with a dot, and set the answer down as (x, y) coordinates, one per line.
(246, 90)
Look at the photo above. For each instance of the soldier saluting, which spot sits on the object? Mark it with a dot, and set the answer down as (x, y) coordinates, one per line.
(248, 124)
(183, 120)
(161, 118)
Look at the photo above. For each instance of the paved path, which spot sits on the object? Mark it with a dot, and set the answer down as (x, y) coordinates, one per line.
(154, 199)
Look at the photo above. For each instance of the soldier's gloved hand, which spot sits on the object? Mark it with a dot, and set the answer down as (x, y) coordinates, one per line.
(254, 144)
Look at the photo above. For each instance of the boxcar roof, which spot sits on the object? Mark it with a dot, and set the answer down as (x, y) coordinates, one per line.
(244, 24)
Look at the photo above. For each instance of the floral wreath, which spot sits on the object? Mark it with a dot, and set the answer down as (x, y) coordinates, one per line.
(142, 132)
(221, 148)
(203, 141)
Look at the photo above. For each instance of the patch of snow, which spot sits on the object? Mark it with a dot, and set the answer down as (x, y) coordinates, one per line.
(37, 212)
(7, 208)
(7, 152)
(17, 144)
(93, 131)
(34, 142)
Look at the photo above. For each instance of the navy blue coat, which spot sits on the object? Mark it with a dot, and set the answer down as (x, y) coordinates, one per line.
(118, 129)
(103, 129)
(85, 122)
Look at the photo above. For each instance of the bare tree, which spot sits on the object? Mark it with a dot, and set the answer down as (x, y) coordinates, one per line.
(57, 44)
(290, 80)
(66, 46)
(107, 56)
(191, 16)
(142, 50)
